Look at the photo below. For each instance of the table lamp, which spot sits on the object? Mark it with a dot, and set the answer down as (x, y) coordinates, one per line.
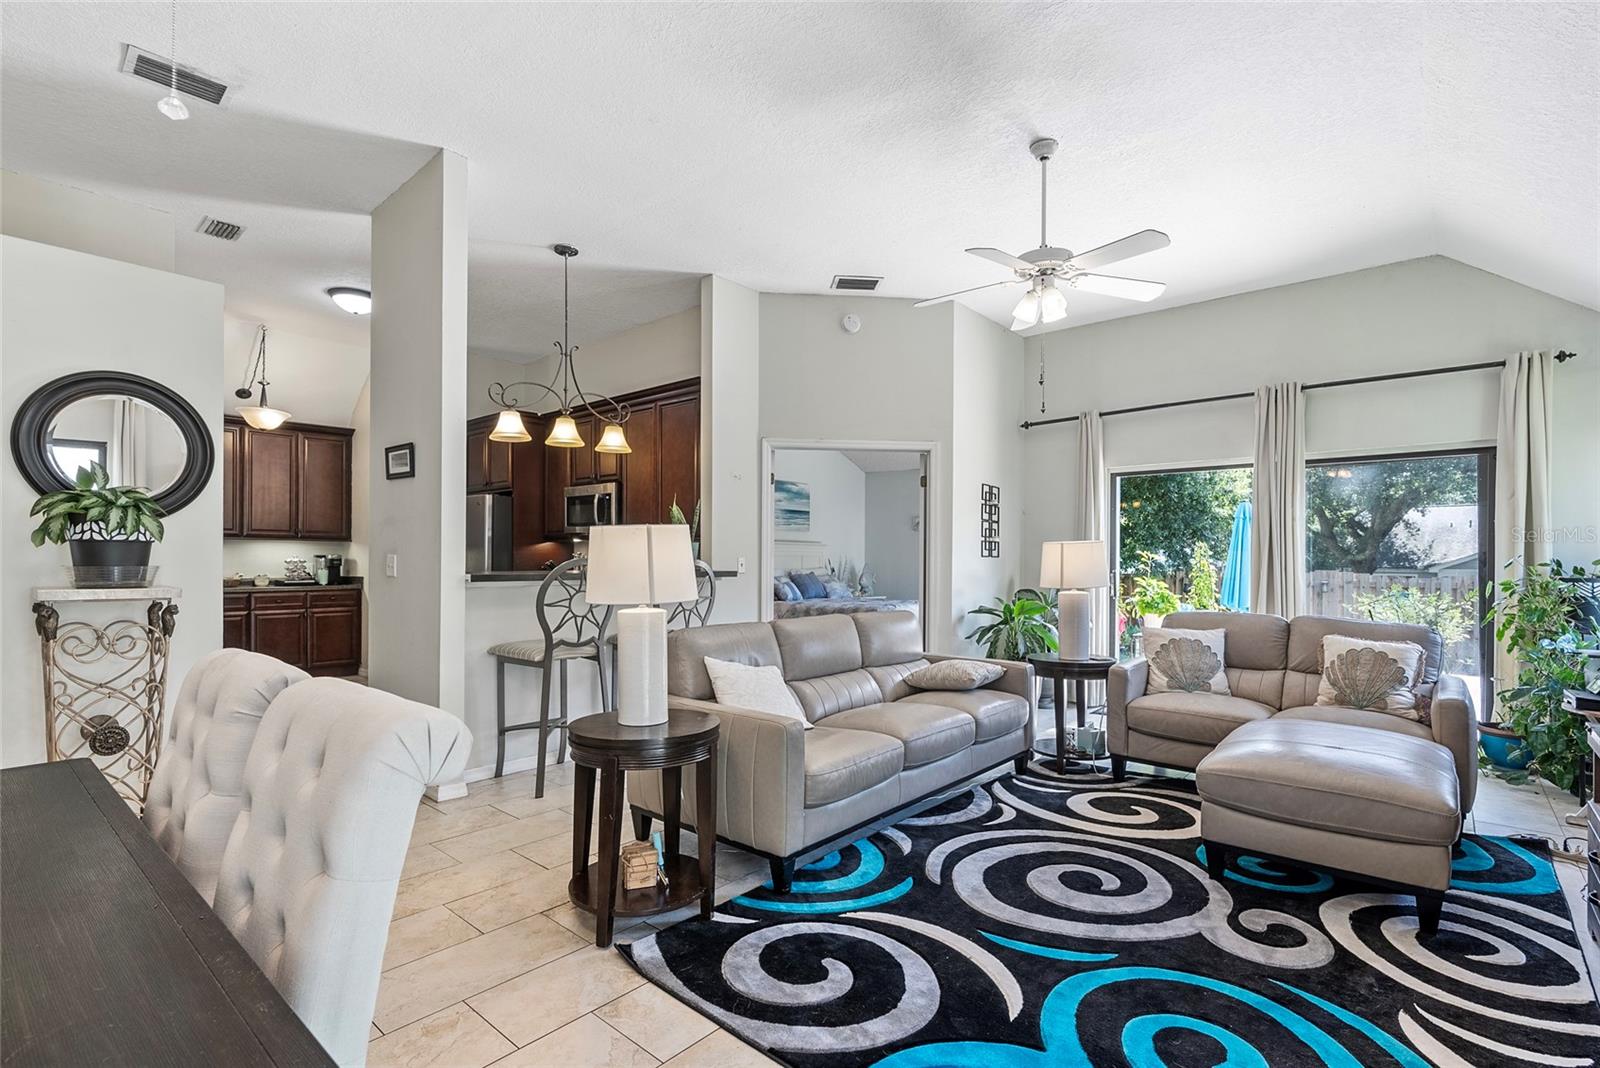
(642, 565)
(1073, 568)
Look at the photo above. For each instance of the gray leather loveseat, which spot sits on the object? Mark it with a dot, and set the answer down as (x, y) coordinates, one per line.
(877, 746)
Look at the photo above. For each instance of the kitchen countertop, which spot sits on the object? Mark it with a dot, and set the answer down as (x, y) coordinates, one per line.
(278, 584)
(539, 576)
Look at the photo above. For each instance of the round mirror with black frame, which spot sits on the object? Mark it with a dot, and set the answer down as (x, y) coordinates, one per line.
(142, 433)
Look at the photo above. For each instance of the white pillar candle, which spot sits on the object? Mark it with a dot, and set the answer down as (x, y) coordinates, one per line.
(641, 680)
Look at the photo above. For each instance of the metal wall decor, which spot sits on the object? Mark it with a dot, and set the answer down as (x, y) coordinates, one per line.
(989, 522)
(105, 690)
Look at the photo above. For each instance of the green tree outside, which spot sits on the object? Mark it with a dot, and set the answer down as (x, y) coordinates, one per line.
(1164, 517)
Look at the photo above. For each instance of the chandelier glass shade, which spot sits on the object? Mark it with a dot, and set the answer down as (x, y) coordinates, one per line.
(564, 389)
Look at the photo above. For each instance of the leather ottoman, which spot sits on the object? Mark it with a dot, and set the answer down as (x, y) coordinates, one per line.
(1376, 805)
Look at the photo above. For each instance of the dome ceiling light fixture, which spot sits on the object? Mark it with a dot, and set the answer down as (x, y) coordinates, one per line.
(261, 415)
(1046, 267)
(564, 389)
(350, 299)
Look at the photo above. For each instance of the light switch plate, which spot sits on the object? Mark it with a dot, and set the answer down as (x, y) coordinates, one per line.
(391, 565)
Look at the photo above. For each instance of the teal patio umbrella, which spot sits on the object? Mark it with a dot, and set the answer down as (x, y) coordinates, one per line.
(1235, 593)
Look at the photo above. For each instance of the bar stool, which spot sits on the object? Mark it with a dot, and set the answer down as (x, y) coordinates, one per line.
(695, 613)
(570, 629)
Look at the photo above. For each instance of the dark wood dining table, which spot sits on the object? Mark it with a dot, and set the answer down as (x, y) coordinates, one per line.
(107, 955)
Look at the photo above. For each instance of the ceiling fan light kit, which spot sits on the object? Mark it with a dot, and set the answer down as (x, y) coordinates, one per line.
(1043, 269)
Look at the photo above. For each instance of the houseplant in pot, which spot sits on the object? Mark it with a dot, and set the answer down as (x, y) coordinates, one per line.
(1020, 628)
(1535, 619)
(108, 529)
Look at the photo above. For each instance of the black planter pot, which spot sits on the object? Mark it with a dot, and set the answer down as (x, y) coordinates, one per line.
(96, 552)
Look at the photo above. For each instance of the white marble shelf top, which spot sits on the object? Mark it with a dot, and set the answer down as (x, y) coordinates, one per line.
(114, 593)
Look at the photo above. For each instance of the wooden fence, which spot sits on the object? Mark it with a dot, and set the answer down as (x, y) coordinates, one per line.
(1335, 593)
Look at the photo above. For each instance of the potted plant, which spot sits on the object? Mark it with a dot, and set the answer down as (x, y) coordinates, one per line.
(1020, 628)
(1534, 620)
(675, 515)
(104, 526)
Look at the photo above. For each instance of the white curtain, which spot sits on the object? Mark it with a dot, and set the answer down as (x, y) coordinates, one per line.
(127, 446)
(1277, 534)
(1094, 498)
(1522, 477)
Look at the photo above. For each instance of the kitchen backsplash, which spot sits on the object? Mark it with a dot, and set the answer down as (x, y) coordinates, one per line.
(251, 557)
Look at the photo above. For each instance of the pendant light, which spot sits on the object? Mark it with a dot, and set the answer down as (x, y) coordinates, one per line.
(169, 105)
(563, 389)
(260, 415)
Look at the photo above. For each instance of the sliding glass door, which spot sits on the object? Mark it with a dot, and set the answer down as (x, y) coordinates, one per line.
(1407, 539)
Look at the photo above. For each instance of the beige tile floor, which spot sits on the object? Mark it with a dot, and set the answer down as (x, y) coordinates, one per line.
(488, 963)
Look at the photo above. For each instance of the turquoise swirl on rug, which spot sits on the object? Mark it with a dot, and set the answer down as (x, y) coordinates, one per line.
(1067, 922)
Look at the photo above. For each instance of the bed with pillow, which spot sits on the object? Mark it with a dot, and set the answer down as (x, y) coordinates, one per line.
(801, 593)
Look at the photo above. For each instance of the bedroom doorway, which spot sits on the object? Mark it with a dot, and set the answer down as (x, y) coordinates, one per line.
(845, 528)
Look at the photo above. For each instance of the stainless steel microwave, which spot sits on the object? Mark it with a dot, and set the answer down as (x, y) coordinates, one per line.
(595, 505)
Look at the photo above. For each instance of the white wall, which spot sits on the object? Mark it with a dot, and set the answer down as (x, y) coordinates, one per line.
(361, 510)
(894, 546)
(55, 214)
(418, 395)
(838, 501)
(483, 371)
(145, 321)
(731, 357)
(1431, 312)
(986, 448)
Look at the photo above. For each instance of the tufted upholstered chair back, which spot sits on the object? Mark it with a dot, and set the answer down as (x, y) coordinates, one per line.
(308, 879)
(195, 792)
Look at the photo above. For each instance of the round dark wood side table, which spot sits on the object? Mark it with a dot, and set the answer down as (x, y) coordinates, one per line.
(602, 745)
(1058, 671)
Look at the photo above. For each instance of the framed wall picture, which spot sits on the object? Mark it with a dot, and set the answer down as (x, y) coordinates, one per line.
(791, 506)
(400, 461)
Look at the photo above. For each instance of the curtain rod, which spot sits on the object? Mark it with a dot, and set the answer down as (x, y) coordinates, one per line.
(1561, 357)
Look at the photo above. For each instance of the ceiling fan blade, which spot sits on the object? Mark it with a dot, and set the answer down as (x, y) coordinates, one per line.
(960, 292)
(1112, 286)
(1125, 248)
(1004, 259)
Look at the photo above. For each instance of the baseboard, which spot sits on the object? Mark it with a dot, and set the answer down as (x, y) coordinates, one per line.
(527, 763)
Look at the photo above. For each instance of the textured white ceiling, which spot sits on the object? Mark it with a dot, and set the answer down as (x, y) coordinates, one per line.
(780, 144)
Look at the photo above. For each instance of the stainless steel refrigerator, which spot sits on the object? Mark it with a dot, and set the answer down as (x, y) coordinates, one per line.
(488, 532)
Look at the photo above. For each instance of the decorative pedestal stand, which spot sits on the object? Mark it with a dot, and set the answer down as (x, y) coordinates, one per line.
(105, 684)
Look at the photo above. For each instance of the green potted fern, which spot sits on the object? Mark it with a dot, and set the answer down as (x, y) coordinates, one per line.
(675, 515)
(108, 529)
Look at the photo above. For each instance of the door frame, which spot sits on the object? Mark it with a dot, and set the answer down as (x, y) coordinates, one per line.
(933, 586)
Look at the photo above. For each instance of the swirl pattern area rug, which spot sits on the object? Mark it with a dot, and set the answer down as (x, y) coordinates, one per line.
(1040, 921)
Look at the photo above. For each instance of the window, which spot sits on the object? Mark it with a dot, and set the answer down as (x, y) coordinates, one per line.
(1406, 539)
(69, 455)
(1178, 539)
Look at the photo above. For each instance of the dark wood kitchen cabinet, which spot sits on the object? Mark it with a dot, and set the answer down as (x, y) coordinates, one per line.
(317, 629)
(489, 463)
(232, 501)
(293, 482)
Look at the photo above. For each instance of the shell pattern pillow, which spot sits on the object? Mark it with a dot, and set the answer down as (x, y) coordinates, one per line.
(1378, 676)
(1185, 661)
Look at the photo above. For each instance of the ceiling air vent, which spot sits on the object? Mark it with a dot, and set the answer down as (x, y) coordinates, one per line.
(227, 231)
(153, 68)
(855, 283)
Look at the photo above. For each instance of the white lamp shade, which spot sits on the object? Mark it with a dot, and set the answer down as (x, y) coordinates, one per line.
(1074, 565)
(640, 564)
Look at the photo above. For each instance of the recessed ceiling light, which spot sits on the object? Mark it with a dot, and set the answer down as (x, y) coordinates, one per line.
(354, 301)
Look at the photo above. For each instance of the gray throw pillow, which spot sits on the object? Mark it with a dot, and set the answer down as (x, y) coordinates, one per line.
(955, 675)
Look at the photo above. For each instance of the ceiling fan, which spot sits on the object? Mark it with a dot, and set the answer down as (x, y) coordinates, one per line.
(1045, 268)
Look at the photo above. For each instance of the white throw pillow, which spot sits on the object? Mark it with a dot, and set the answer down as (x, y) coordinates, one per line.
(761, 689)
(955, 675)
(1379, 676)
(1185, 661)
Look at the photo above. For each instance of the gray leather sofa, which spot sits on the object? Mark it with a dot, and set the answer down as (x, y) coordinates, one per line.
(1274, 666)
(878, 745)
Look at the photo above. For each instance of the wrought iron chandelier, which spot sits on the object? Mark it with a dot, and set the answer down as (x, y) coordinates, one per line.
(563, 388)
